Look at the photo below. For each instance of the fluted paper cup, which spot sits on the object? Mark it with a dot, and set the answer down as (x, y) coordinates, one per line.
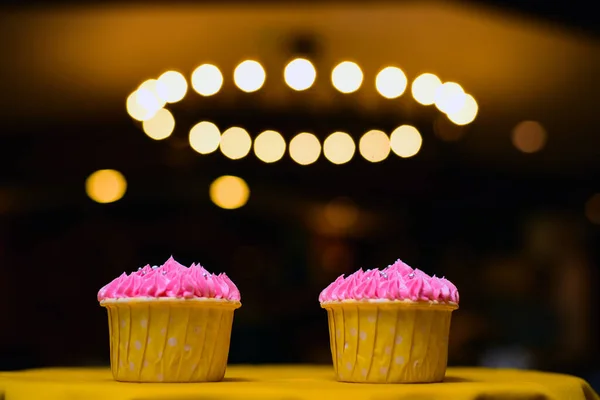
(169, 340)
(381, 341)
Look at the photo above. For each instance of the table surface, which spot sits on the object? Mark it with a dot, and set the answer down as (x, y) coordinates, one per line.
(292, 382)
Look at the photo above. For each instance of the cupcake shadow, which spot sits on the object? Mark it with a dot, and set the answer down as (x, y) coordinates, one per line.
(235, 379)
(456, 379)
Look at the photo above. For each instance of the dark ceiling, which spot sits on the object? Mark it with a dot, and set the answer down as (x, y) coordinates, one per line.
(579, 15)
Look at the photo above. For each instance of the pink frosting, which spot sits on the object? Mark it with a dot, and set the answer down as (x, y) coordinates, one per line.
(395, 282)
(171, 280)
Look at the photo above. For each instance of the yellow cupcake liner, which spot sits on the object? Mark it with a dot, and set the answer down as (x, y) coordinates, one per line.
(169, 340)
(389, 341)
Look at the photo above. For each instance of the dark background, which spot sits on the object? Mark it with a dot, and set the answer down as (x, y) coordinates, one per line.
(514, 231)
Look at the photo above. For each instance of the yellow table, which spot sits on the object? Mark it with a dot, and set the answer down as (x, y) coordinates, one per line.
(292, 382)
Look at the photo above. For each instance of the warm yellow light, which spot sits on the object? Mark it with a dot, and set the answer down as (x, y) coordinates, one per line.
(374, 146)
(172, 86)
(249, 76)
(160, 126)
(143, 103)
(450, 98)
(235, 143)
(136, 110)
(529, 136)
(269, 146)
(347, 77)
(300, 74)
(467, 113)
(106, 186)
(305, 148)
(406, 141)
(391, 82)
(229, 192)
(148, 97)
(207, 80)
(424, 88)
(205, 137)
(339, 148)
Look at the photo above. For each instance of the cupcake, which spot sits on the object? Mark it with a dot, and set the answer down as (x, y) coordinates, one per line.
(389, 325)
(169, 323)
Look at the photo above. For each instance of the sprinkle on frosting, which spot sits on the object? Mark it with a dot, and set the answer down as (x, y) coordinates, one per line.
(171, 280)
(395, 282)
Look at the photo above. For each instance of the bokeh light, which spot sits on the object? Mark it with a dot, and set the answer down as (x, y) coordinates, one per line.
(249, 76)
(172, 86)
(235, 143)
(106, 186)
(374, 146)
(529, 136)
(305, 148)
(229, 192)
(160, 126)
(467, 113)
(406, 141)
(339, 148)
(347, 77)
(269, 146)
(205, 137)
(300, 74)
(136, 110)
(592, 209)
(207, 80)
(450, 97)
(424, 88)
(144, 102)
(148, 97)
(391, 82)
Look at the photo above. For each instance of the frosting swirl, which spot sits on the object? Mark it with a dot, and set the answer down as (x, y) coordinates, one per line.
(395, 282)
(171, 280)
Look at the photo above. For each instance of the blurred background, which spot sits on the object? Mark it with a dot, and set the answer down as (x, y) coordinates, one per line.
(461, 137)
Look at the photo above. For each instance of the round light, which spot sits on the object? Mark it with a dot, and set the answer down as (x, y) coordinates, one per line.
(299, 74)
(269, 146)
(136, 110)
(339, 148)
(467, 113)
(229, 192)
(424, 88)
(390, 82)
(347, 77)
(450, 98)
(249, 76)
(171, 86)
(529, 136)
(374, 146)
(406, 141)
(205, 137)
(160, 126)
(207, 80)
(305, 148)
(235, 143)
(148, 97)
(106, 186)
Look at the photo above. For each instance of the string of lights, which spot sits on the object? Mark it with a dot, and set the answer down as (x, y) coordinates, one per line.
(148, 105)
